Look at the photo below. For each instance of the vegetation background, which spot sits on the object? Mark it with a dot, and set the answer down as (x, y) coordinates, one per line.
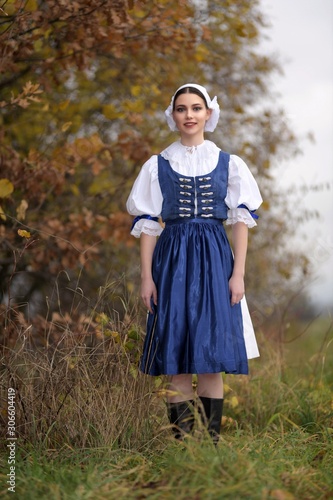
(82, 86)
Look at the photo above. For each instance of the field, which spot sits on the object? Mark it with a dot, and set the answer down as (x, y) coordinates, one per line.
(89, 426)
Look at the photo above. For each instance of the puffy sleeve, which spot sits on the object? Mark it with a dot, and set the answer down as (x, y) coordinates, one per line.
(145, 201)
(243, 195)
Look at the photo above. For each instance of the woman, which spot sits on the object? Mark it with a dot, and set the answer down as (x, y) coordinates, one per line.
(191, 283)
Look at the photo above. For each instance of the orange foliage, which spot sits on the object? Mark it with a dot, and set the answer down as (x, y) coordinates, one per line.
(82, 85)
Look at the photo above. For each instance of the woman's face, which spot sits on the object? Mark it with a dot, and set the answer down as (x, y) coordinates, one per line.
(190, 115)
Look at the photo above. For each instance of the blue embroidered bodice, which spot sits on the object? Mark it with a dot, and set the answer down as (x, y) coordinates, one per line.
(194, 197)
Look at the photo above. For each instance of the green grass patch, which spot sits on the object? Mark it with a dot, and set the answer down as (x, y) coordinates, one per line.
(89, 426)
(282, 465)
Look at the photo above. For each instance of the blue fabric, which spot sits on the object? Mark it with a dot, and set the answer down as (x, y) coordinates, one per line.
(180, 191)
(254, 216)
(145, 216)
(194, 328)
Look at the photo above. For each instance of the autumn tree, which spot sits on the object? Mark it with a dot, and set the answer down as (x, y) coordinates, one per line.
(82, 89)
(71, 139)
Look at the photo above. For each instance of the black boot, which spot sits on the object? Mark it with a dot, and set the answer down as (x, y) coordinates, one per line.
(181, 416)
(213, 408)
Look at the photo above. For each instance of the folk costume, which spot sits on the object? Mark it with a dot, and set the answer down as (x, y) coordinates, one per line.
(195, 191)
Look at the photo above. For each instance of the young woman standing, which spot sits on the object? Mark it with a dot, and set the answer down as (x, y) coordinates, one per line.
(191, 282)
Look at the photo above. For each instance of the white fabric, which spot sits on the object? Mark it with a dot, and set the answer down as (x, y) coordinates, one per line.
(146, 196)
(146, 226)
(251, 345)
(211, 103)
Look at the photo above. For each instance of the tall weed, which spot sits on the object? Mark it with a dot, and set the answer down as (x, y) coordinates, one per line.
(90, 425)
(81, 386)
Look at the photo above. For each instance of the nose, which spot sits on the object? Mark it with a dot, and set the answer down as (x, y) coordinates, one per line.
(189, 113)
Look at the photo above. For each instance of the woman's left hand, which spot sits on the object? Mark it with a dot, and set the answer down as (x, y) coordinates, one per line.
(237, 289)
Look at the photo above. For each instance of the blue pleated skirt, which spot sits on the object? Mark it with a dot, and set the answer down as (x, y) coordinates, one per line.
(194, 328)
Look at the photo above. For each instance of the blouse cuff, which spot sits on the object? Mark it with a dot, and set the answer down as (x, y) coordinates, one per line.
(240, 215)
(150, 227)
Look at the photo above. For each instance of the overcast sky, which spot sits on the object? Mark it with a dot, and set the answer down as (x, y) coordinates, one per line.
(301, 33)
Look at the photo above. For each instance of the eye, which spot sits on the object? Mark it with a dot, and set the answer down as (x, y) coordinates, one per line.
(197, 108)
(179, 110)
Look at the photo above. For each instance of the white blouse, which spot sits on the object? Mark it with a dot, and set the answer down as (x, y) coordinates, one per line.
(146, 196)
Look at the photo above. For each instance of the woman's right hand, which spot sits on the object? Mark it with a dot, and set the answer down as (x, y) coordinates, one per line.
(148, 292)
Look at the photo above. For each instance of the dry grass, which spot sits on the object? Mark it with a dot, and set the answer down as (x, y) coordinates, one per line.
(80, 386)
(89, 425)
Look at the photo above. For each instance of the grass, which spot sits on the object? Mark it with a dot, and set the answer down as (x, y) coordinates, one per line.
(276, 464)
(89, 426)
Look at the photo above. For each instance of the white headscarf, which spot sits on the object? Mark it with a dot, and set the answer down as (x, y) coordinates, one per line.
(211, 103)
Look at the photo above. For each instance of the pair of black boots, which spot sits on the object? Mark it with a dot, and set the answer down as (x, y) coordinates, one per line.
(181, 416)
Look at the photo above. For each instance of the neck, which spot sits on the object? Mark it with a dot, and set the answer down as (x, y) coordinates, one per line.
(191, 141)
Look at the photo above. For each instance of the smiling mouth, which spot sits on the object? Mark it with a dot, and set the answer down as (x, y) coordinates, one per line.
(187, 124)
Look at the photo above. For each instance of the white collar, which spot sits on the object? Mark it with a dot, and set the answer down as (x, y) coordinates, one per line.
(206, 154)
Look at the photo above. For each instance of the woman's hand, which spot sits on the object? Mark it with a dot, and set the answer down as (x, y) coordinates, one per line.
(148, 288)
(237, 289)
(148, 292)
(236, 282)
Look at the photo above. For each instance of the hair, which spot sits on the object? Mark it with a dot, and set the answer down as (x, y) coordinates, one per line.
(189, 90)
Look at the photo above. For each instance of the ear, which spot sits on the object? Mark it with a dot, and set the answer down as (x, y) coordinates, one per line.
(209, 113)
